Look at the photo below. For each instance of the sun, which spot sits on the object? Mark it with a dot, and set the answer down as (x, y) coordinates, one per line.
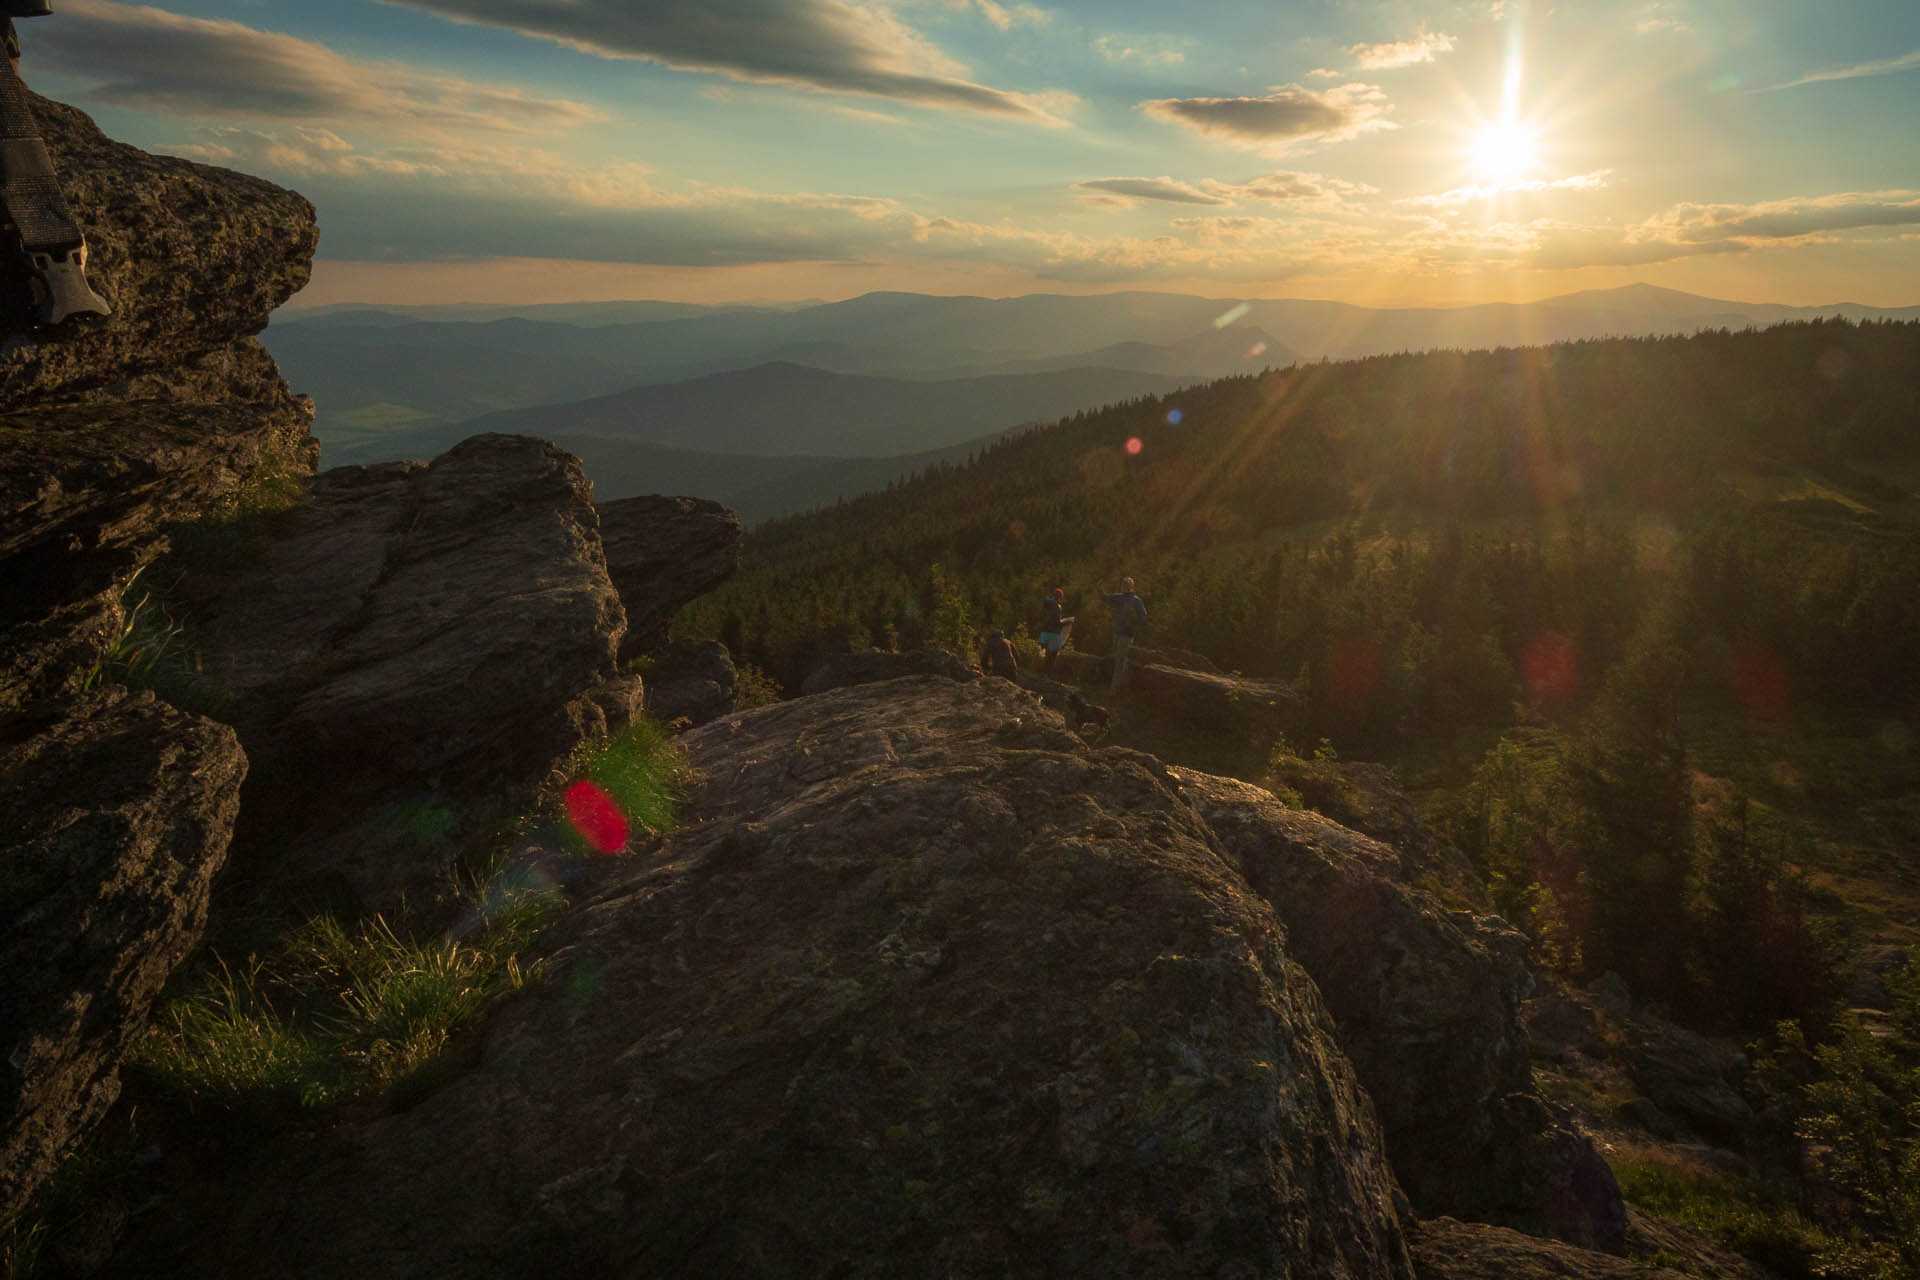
(1504, 151)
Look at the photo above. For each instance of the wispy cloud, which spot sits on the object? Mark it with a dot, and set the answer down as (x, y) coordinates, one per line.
(153, 60)
(1878, 67)
(1008, 16)
(1595, 181)
(1288, 186)
(1690, 229)
(1789, 219)
(831, 46)
(1423, 46)
(1131, 189)
(1287, 115)
(1148, 52)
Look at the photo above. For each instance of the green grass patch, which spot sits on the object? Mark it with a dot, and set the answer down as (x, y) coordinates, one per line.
(339, 1010)
(1741, 1216)
(642, 769)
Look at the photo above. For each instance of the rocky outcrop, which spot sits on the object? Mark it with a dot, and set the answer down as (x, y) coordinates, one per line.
(165, 411)
(842, 670)
(1444, 1249)
(192, 258)
(1257, 711)
(1369, 799)
(1428, 1005)
(692, 682)
(925, 987)
(1079, 711)
(431, 634)
(661, 553)
(1689, 1085)
(116, 810)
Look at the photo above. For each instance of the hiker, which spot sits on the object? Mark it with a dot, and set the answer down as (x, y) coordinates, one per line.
(996, 657)
(1129, 611)
(1054, 627)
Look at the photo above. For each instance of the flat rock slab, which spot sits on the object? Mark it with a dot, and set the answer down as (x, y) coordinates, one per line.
(115, 812)
(926, 987)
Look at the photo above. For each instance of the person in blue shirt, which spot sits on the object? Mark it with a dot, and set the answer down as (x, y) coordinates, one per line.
(1129, 611)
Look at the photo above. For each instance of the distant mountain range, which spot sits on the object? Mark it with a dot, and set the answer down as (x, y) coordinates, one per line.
(870, 381)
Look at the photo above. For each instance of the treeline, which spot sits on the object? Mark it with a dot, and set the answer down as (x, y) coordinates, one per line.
(1422, 540)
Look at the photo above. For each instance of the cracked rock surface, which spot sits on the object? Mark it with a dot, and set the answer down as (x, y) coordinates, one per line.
(925, 987)
(431, 637)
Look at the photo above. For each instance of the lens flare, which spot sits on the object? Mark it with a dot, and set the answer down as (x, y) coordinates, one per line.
(1174, 416)
(1357, 664)
(1759, 680)
(1134, 445)
(596, 817)
(1550, 669)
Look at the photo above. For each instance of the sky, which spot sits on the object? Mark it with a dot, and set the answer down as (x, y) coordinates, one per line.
(762, 150)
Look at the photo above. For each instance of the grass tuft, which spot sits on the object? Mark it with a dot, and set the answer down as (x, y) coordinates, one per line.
(1742, 1217)
(337, 1011)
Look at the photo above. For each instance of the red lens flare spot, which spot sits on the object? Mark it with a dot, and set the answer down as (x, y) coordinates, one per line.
(1550, 669)
(596, 817)
(1759, 680)
(1356, 670)
(1135, 444)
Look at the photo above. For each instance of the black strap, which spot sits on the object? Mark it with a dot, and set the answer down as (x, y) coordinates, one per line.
(50, 245)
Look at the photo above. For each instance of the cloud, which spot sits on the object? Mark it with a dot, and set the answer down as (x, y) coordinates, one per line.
(832, 46)
(149, 59)
(1879, 67)
(1324, 73)
(1288, 115)
(1288, 186)
(1779, 220)
(1131, 189)
(1595, 181)
(1129, 49)
(1006, 17)
(1423, 47)
(1689, 229)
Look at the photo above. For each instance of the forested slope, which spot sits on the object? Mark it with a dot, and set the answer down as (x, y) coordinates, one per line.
(1422, 524)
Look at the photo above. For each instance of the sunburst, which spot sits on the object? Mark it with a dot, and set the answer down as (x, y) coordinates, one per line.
(1504, 151)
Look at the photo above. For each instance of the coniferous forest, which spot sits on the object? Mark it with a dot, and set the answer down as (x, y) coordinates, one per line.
(1636, 620)
(1547, 583)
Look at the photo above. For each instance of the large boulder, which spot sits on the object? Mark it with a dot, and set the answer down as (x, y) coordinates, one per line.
(925, 987)
(116, 811)
(661, 553)
(436, 637)
(1428, 1006)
